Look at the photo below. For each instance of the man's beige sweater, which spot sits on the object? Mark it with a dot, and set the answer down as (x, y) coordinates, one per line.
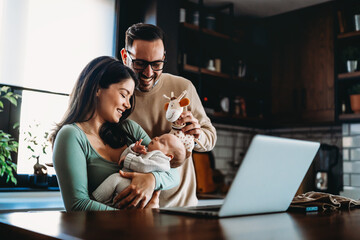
(150, 114)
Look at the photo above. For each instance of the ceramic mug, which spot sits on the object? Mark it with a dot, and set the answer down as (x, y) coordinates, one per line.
(351, 65)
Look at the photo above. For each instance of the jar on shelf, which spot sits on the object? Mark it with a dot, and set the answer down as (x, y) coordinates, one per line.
(196, 18)
(210, 22)
(182, 15)
(239, 107)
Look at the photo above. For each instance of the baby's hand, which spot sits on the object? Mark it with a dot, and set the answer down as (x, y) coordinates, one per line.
(138, 148)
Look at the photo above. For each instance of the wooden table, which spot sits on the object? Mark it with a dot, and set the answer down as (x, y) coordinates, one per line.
(148, 224)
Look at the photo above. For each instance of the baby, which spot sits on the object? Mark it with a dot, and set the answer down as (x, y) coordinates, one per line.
(163, 152)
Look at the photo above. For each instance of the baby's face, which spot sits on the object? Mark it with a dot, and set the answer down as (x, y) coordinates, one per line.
(164, 143)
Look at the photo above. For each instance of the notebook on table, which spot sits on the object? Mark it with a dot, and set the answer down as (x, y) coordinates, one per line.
(266, 181)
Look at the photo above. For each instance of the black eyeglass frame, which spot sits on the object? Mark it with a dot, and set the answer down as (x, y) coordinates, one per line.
(146, 63)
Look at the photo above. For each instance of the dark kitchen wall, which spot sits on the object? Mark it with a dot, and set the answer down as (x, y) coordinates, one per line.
(162, 13)
(302, 63)
(128, 13)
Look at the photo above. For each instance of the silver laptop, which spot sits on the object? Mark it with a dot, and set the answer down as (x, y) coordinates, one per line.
(267, 180)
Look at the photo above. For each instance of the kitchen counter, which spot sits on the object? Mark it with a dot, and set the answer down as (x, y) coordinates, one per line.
(150, 224)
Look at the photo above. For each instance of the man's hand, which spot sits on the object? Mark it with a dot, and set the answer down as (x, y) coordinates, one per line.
(138, 148)
(192, 124)
(138, 193)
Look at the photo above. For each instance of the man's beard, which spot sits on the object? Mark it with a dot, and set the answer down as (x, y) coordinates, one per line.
(145, 88)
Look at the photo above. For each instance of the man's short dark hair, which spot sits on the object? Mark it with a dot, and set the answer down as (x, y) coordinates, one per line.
(143, 31)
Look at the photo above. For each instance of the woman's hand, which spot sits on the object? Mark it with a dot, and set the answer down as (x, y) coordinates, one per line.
(138, 193)
(154, 201)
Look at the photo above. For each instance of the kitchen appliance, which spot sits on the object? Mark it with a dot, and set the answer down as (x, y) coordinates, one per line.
(328, 170)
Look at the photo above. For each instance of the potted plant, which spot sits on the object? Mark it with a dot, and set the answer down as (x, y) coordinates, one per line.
(351, 56)
(7, 143)
(354, 92)
(38, 145)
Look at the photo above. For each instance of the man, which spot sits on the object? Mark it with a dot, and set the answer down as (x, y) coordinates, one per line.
(144, 52)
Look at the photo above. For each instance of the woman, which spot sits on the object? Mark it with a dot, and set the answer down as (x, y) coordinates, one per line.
(88, 142)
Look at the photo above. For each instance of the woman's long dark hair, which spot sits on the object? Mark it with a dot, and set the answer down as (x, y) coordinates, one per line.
(101, 72)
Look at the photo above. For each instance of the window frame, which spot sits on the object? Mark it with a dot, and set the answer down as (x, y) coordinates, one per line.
(11, 114)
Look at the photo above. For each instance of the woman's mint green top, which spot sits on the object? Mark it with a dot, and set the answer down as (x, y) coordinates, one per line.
(80, 169)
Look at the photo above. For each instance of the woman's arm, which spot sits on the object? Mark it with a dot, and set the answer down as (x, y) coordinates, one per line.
(142, 186)
(71, 171)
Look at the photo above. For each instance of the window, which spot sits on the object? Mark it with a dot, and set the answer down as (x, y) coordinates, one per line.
(39, 113)
(44, 45)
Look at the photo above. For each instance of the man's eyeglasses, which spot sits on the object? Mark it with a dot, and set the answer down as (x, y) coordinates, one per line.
(142, 64)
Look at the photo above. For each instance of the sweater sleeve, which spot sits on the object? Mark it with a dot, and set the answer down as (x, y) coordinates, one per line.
(69, 157)
(167, 180)
(208, 131)
(128, 150)
(150, 162)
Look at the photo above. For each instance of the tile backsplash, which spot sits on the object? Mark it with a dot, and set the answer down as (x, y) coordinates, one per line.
(233, 142)
(351, 160)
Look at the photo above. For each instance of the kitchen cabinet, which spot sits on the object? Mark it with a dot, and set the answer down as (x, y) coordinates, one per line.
(303, 66)
(213, 53)
(348, 47)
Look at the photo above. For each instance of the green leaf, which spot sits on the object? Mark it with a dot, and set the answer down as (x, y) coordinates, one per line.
(12, 100)
(8, 94)
(29, 147)
(16, 125)
(1, 104)
(8, 169)
(4, 89)
(13, 179)
(14, 166)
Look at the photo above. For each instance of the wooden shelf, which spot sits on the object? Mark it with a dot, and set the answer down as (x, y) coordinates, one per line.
(349, 35)
(349, 75)
(243, 80)
(215, 34)
(195, 69)
(214, 73)
(349, 116)
(196, 48)
(207, 31)
(191, 68)
(233, 120)
(190, 26)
